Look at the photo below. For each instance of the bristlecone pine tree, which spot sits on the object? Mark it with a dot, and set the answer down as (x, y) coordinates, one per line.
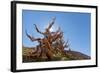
(50, 48)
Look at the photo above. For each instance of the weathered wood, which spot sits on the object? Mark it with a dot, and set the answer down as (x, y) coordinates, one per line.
(46, 47)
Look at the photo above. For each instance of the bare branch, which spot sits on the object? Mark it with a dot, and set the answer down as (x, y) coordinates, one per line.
(31, 37)
(38, 29)
(67, 44)
(51, 23)
(56, 36)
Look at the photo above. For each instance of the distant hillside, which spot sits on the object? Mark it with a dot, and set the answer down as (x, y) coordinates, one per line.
(70, 55)
(77, 55)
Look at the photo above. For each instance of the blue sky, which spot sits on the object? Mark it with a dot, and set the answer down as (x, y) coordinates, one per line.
(76, 27)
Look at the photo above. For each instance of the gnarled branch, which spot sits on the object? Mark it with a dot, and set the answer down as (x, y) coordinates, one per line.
(31, 37)
(51, 23)
(38, 29)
